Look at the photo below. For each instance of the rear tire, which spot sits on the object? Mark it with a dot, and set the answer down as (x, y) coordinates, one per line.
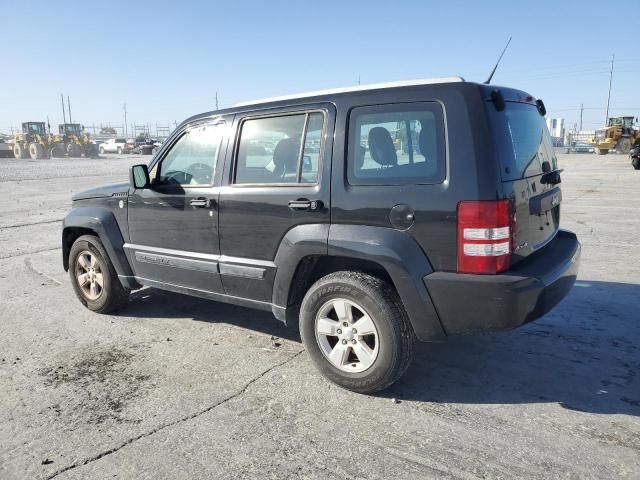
(101, 151)
(56, 152)
(601, 151)
(36, 151)
(623, 146)
(636, 163)
(119, 151)
(356, 331)
(93, 277)
(91, 151)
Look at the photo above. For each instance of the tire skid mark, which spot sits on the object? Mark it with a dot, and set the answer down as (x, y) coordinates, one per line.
(22, 254)
(34, 270)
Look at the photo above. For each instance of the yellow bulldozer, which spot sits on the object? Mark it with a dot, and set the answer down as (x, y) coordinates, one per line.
(73, 141)
(34, 141)
(619, 134)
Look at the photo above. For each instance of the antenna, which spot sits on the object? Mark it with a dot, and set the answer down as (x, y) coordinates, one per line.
(498, 62)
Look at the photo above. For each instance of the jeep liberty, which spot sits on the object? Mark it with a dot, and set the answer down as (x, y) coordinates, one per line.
(368, 217)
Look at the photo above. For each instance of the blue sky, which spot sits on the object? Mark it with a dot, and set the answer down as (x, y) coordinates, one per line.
(166, 60)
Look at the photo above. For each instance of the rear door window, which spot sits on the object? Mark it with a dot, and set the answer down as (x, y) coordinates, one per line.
(396, 144)
(283, 149)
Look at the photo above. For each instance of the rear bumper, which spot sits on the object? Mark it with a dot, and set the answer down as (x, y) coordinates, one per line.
(476, 303)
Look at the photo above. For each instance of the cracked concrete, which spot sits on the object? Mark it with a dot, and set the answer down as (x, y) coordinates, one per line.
(174, 423)
(178, 387)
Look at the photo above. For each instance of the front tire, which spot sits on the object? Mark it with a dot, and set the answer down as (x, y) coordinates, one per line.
(93, 277)
(36, 151)
(636, 163)
(18, 151)
(356, 331)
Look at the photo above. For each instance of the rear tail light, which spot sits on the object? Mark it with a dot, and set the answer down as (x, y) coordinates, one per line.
(485, 230)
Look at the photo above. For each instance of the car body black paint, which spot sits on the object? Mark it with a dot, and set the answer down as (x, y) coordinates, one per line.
(247, 244)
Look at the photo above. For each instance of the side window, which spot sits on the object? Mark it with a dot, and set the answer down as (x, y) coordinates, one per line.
(396, 144)
(282, 149)
(192, 159)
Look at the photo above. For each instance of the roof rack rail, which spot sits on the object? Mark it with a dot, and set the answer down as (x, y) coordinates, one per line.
(356, 88)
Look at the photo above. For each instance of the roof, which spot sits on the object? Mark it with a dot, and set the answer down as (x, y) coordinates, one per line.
(356, 88)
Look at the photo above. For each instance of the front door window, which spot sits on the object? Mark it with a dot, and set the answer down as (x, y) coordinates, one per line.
(191, 160)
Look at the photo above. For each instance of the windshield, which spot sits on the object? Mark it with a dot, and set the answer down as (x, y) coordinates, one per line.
(71, 129)
(37, 128)
(524, 142)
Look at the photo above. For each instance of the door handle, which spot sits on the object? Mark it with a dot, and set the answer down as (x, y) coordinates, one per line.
(304, 204)
(200, 202)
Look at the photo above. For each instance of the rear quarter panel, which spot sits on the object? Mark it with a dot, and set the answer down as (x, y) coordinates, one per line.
(471, 172)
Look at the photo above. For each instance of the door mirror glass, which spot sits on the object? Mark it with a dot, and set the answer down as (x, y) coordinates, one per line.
(139, 176)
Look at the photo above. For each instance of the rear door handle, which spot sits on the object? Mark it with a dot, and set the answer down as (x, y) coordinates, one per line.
(200, 202)
(304, 204)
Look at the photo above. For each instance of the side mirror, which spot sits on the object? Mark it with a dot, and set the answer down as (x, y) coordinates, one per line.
(139, 176)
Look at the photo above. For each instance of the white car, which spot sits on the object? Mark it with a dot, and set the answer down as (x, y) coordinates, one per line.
(113, 145)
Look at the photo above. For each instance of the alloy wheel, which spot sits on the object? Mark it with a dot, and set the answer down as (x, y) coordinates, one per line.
(347, 335)
(89, 275)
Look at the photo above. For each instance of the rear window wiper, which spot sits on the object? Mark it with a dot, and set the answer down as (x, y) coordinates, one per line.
(552, 178)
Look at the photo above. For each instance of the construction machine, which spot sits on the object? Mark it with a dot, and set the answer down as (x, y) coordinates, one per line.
(73, 141)
(619, 134)
(34, 141)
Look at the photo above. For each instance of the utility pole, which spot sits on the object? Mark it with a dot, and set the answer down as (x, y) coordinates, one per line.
(125, 119)
(581, 110)
(358, 79)
(606, 118)
(69, 105)
(64, 116)
(216, 100)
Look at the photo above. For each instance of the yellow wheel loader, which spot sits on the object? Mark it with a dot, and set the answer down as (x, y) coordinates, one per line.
(619, 134)
(74, 141)
(34, 141)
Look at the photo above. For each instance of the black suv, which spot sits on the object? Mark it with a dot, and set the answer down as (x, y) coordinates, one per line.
(370, 216)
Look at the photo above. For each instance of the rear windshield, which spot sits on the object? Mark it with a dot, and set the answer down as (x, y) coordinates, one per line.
(523, 142)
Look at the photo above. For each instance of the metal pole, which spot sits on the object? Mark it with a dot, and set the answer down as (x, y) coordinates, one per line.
(216, 100)
(64, 116)
(69, 105)
(606, 117)
(581, 110)
(125, 119)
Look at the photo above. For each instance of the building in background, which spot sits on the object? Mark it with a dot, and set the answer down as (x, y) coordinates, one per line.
(556, 129)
